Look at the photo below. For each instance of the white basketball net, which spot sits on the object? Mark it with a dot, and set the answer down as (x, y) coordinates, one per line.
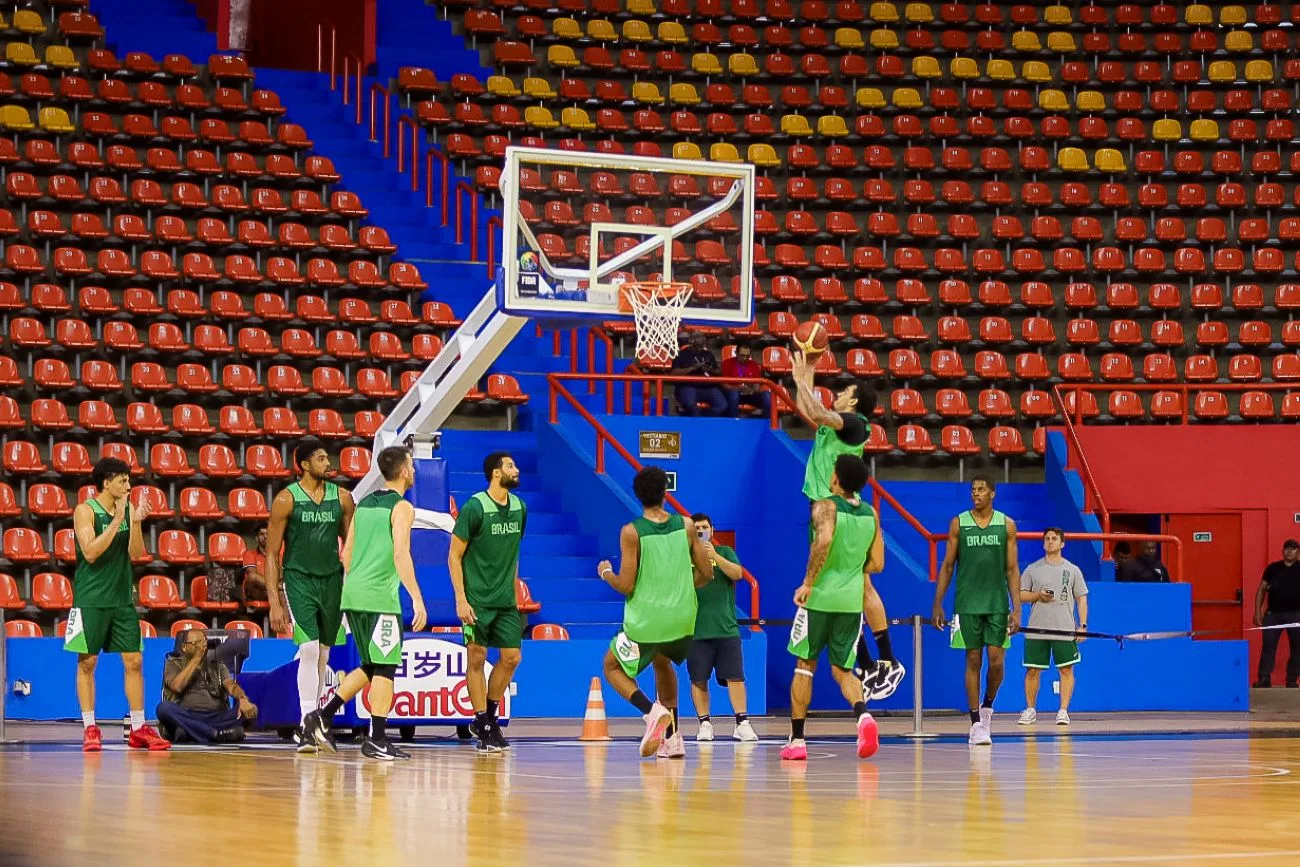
(658, 315)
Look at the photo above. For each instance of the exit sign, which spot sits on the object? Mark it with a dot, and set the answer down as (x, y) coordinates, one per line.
(1204, 536)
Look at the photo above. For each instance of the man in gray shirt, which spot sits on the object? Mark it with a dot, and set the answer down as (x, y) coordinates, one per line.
(1053, 585)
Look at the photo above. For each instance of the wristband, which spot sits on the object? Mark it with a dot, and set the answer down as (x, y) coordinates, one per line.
(606, 571)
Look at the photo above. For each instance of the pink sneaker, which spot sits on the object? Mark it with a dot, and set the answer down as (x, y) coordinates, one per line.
(868, 736)
(795, 751)
(656, 723)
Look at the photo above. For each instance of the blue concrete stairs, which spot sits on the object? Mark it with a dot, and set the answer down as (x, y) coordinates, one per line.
(160, 27)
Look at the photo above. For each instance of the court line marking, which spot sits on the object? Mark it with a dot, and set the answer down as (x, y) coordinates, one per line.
(1097, 859)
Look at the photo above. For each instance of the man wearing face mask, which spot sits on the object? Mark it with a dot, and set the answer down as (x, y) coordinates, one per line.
(743, 366)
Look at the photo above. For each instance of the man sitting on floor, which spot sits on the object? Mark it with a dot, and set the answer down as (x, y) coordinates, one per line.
(196, 697)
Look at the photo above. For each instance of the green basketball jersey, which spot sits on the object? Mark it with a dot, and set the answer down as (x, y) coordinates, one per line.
(492, 533)
(662, 605)
(371, 582)
(311, 536)
(106, 583)
(827, 447)
(840, 582)
(716, 601)
(982, 565)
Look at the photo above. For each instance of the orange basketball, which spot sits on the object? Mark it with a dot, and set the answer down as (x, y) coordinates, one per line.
(811, 338)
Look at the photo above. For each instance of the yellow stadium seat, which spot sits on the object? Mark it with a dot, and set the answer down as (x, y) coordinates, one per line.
(687, 150)
(644, 8)
(1110, 161)
(884, 13)
(683, 93)
(20, 54)
(56, 120)
(849, 38)
(742, 65)
(1061, 42)
(538, 88)
(795, 124)
(1000, 70)
(831, 126)
(561, 56)
(29, 22)
(870, 98)
(1053, 100)
(4, 22)
(1232, 16)
(1222, 72)
(1036, 72)
(61, 57)
(1259, 72)
(503, 85)
(540, 116)
(576, 119)
(672, 33)
(1167, 129)
(1090, 101)
(1026, 40)
(566, 28)
(724, 152)
(1205, 130)
(1072, 160)
(647, 92)
(763, 155)
(636, 30)
(963, 68)
(884, 40)
(1058, 16)
(601, 30)
(907, 98)
(1198, 15)
(706, 64)
(918, 13)
(926, 67)
(16, 118)
(1238, 42)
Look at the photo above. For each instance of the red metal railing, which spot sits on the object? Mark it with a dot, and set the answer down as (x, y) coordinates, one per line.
(407, 120)
(464, 187)
(603, 436)
(1092, 500)
(376, 86)
(652, 390)
(320, 51)
(493, 222)
(445, 188)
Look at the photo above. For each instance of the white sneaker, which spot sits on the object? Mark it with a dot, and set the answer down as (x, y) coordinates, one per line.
(745, 732)
(1062, 718)
(986, 716)
(1028, 717)
(888, 676)
(672, 748)
(706, 731)
(979, 735)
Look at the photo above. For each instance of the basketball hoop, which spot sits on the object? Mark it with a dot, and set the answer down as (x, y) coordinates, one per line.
(657, 309)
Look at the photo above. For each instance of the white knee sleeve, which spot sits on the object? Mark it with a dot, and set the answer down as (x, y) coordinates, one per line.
(309, 676)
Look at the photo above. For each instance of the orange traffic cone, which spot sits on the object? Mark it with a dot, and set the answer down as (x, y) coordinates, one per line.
(594, 725)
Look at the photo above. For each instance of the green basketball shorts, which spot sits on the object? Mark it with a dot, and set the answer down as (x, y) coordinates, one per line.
(315, 608)
(378, 637)
(1041, 653)
(977, 631)
(496, 627)
(103, 630)
(635, 657)
(836, 632)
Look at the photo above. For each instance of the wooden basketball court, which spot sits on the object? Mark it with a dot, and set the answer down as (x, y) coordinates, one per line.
(1086, 799)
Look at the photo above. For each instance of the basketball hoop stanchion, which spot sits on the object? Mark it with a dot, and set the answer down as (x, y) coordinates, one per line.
(657, 308)
(4, 680)
(918, 731)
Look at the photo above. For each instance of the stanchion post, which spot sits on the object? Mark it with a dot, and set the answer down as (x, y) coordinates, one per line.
(918, 713)
(4, 678)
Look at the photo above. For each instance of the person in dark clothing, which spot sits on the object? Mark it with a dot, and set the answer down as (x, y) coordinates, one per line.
(196, 696)
(1280, 586)
(697, 360)
(1146, 567)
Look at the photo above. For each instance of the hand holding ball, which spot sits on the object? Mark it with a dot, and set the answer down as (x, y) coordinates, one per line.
(811, 339)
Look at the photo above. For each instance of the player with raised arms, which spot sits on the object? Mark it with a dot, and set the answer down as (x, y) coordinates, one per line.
(661, 564)
(308, 519)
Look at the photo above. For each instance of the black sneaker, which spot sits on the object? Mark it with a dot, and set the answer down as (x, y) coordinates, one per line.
(475, 730)
(486, 744)
(302, 743)
(497, 737)
(383, 750)
(313, 726)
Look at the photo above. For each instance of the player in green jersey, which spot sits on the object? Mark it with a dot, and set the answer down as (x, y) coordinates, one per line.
(308, 519)
(484, 564)
(103, 617)
(846, 546)
(661, 564)
(843, 430)
(377, 557)
(982, 548)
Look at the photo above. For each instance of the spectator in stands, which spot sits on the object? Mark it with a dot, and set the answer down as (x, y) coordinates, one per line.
(743, 366)
(1280, 585)
(697, 360)
(1121, 553)
(1146, 567)
(196, 696)
(255, 569)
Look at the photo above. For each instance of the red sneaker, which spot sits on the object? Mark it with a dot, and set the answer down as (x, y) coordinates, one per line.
(145, 738)
(93, 740)
(868, 736)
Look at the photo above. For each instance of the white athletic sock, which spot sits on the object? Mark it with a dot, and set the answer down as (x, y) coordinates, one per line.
(308, 677)
(87, 718)
(137, 720)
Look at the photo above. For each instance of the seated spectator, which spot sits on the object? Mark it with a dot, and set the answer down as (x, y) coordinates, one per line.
(743, 366)
(1121, 554)
(196, 697)
(1146, 567)
(255, 570)
(696, 360)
